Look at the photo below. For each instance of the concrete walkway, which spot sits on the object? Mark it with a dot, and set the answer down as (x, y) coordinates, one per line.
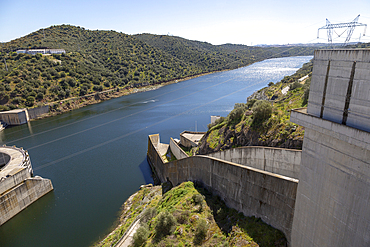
(127, 240)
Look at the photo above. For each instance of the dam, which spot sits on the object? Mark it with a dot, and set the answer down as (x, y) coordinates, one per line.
(316, 197)
(18, 187)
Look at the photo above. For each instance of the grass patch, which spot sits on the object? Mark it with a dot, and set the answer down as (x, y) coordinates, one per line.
(192, 216)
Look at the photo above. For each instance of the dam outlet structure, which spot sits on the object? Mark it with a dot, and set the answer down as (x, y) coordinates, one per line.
(18, 187)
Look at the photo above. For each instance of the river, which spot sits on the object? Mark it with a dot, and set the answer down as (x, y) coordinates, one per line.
(96, 156)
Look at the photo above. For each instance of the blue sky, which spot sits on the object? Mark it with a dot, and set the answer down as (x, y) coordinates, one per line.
(217, 22)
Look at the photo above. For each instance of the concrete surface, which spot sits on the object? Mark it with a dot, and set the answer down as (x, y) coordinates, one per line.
(14, 117)
(285, 162)
(190, 138)
(251, 191)
(18, 189)
(333, 70)
(177, 151)
(333, 196)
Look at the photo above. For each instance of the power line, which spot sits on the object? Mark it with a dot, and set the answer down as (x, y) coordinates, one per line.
(136, 131)
(133, 132)
(133, 114)
(59, 127)
(97, 115)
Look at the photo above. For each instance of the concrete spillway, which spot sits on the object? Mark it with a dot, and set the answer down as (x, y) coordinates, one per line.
(18, 187)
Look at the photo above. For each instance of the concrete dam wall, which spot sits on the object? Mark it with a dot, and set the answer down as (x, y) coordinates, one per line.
(285, 162)
(18, 189)
(251, 191)
(332, 205)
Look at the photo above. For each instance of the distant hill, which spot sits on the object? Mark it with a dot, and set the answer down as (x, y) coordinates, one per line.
(99, 60)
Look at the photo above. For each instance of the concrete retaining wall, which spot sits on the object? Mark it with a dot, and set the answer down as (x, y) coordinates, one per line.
(16, 178)
(4, 159)
(177, 151)
(190, 138)
(251, 191)
(38, 111)
(17, 199)
(280, 161)
(14, 117)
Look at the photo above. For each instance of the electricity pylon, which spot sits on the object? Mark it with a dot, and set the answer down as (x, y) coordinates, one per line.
(350, 26)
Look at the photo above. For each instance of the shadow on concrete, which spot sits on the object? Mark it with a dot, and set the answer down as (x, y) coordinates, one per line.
(228, 218)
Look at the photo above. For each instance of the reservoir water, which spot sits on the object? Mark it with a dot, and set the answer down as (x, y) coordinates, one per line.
(96, 156)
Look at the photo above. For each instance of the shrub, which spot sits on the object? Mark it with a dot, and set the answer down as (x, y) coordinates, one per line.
(197, 199)
(262, 110)
(250, 103)
(218, 121)
(165, 224)
(17, 100)
(140, 236)
(200, 232)
(237, 112)
(29, 101)
(295, 85)
(148, 214)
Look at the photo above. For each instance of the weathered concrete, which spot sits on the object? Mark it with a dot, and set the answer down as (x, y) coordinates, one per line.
(20, 197)
(190, 138)
(332, 205)
(340, 76)
(285, 162)
(251, 191)
(177, 151)
(18, 189)
(38, 111)
(14, 117)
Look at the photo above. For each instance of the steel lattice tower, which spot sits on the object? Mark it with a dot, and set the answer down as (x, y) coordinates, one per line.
(350, 27)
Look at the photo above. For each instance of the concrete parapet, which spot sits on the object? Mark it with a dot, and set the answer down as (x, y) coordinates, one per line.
(177, 151)
(251, 191)
(285, 162)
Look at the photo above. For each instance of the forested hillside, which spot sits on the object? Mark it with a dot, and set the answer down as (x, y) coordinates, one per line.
(218, 57)
(99, 60)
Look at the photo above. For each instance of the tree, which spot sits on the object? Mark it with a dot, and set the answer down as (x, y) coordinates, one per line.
(165, 224)
(30, 101)
(262, 110)
(140, 236)
(200, 232)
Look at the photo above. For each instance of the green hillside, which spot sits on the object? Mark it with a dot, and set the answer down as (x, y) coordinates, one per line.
(100, 60)
(264, 119)
(218, 57)
(190, 216)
